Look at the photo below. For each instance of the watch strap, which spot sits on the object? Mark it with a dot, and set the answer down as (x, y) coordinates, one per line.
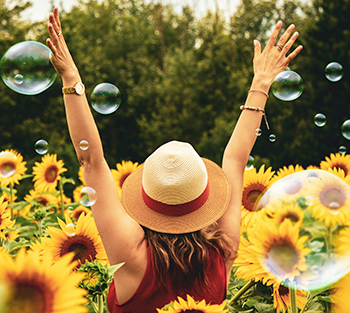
(68, 90)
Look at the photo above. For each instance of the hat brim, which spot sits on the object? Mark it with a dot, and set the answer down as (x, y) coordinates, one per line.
(211, 211)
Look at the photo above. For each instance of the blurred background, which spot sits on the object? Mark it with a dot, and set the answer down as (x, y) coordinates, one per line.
(183, 69)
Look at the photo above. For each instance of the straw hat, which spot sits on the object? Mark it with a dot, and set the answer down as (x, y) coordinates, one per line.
(176, 191)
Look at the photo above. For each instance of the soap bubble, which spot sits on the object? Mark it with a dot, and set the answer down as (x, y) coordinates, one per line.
(26, 68)
(309, 211)
(258, 132)
(345, 129)
(70, 229)
(41, 146)
(105, 98)
(320, 120)
(334, 71)
(88, 196)
(7, 164)
(272, 137)
(84, 145)
(287, 86)
(250, 163)
(342, 150)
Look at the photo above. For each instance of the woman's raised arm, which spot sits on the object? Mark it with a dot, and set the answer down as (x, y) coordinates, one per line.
(120, 234)
(267, 65)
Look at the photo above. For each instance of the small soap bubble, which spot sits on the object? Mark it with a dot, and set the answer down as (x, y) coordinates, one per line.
(70, 229)
(334, 71)
(320, 120)
(41, 146)
(272, 137)
(258, 132)
(345, 129)
(26, 68)
(7, 164)
(84, 145)
(70, 209)
(18, 79)
(342, 150)
(287, 86)
(105, 98)
(250, 163)
(88, 196)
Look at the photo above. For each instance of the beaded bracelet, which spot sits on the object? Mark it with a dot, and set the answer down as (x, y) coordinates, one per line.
(247, 107)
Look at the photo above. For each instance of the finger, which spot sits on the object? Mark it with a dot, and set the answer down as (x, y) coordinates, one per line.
(57, 17)
(274, 35)
(290, 42)
(286, 35)
(52, 21)
(53, 36)
(294, 54)
(51, 46)
(257, 48)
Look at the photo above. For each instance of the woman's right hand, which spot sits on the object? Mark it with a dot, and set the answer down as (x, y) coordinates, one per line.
(273, 59)
(61, 58)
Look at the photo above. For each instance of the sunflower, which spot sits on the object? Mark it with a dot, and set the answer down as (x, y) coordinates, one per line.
(37, 285)
(43, 198)
(340, 298)
(12, 167)
(282, 301)
(254, 186)
(287, 210)
(330, 199)
(76, 193)
(273, 253)
(82, 239)
(122, 172)
(285, 171)
(337, 161)
(47, 173)
(79, 210)
(191, 305)
(5, 217)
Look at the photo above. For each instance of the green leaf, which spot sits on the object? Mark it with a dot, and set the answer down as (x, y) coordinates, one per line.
(112, 269)
(264, 308)
(67, 180)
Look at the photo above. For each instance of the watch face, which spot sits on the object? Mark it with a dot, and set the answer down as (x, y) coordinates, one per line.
(79, 88)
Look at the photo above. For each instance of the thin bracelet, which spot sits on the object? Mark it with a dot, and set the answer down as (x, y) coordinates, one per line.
(246, 107)
(251, 90)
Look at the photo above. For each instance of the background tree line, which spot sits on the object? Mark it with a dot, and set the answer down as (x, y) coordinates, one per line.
(183, 78)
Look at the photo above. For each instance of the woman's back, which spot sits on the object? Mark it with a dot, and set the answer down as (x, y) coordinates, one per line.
(152, 294)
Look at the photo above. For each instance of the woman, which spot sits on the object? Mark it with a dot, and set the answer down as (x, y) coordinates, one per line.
(178, 227)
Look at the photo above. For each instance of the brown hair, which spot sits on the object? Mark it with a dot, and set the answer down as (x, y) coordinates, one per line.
(186, 253)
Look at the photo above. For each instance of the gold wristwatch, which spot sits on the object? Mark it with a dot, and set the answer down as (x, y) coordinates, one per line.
(78, 89)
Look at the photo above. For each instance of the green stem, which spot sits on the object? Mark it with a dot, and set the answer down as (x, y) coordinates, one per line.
(40, 231)
(101, 304)
(61, 193)
(242, 291)
(293, 300)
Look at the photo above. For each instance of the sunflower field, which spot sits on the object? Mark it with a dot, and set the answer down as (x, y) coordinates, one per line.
(52, 258)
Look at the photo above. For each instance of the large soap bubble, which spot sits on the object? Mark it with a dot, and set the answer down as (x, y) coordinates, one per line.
(26, 68)
(105, 98)
(310, 246)
(287, 86)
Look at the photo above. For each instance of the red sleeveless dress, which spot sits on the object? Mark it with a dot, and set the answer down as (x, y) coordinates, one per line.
(151, 294)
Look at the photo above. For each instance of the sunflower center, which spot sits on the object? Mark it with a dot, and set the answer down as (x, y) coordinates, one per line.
(7, 169)
(283, 291)
(251, 197)
(332, 197)
(292, 216)
(281, 259)
(51, 174)
(43, 201)
(341, 166)
(30, 297)
(82, 246)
